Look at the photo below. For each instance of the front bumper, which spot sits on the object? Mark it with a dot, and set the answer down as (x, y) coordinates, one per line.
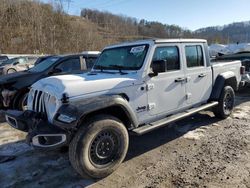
(41, 133)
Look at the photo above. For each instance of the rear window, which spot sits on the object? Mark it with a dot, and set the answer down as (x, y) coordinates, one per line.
(194, 56)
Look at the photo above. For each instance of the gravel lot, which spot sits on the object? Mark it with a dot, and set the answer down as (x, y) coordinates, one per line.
(200, 151)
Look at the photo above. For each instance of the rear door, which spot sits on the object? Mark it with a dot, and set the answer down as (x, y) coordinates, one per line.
(198, 73)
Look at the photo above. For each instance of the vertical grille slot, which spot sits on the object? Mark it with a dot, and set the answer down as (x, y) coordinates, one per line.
(40, 101)
(34, 101)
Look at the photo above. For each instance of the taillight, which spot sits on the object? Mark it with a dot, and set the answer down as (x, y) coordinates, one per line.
(242, 70)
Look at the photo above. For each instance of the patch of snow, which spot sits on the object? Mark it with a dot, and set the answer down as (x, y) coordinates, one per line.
(241, 113)
(15, 148)
(196, 134)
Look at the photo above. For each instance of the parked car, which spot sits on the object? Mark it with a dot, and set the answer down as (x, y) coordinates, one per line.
(17, 64)
(3, 58)
(134, 87)
(15, 87)
(244, 57)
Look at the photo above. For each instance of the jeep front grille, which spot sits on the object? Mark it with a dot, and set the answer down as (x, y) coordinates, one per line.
(39, 101)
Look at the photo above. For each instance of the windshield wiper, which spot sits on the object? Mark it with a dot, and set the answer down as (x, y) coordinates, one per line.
(100, 67)
(118, 67)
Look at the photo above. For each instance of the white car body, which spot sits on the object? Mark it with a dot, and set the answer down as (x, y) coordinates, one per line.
(134, 88)
(161, 95)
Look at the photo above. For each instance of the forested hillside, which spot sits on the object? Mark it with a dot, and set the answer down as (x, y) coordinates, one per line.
(232, 33)
(124, 27)
(33, 27)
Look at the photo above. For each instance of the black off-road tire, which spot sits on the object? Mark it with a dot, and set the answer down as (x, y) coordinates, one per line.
(99, 146)
(226, 103)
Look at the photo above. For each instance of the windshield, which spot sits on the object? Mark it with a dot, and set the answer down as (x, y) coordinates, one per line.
(42, 66)
(122, 58)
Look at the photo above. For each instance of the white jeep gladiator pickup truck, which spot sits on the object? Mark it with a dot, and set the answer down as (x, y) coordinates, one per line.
(134, 87)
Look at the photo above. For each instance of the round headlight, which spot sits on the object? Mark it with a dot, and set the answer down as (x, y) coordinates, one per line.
(30, 98)
(52, 105)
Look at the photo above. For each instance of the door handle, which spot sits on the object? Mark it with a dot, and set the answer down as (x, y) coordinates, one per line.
(202, 75)
(180, 79)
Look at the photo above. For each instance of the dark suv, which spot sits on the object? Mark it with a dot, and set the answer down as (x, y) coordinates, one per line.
(15, 87)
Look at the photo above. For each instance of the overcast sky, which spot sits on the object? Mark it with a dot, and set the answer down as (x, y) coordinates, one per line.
(191, 14)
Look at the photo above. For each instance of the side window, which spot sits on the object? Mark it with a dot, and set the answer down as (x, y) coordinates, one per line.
(21, 60)
(194, 56)
(70, 65)
(169, 54)
(90, 61)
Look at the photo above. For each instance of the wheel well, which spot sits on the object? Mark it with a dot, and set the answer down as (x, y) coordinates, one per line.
(11, 69)
(18, 96)
(115, 111)
(232, 82)
(220, 83)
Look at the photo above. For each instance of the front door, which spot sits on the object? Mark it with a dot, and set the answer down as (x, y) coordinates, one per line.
(166, 91)
(198, 73)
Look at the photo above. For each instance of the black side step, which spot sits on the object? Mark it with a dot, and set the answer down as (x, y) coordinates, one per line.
(163, 122)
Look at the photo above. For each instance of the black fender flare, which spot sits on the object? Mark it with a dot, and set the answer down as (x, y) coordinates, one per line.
(81, 108)
(227, 78)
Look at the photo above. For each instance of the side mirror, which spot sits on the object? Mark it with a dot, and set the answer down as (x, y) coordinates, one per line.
(16, 63)
(158, 67)
(55, 71)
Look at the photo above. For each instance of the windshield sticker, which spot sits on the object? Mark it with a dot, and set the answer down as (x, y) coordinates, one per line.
(137, 49)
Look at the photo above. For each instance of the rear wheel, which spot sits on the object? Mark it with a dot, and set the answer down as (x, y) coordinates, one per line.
(226, 103)
(9, 71)
(99, 147)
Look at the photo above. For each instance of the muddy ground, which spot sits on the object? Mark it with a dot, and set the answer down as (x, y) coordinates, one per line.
(200, 151)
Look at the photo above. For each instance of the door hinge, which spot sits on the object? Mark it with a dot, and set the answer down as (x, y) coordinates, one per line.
(188, 95)
(188, 79)
(151, 106)
(150, 87)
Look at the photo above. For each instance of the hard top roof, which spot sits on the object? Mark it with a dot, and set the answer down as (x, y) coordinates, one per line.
(155, 41)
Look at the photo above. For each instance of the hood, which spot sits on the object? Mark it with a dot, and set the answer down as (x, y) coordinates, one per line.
(11, 77)
(83, 84)
(19, 79)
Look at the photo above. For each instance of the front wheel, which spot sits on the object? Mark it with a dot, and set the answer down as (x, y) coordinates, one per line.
(226, 103)
(99, 147)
